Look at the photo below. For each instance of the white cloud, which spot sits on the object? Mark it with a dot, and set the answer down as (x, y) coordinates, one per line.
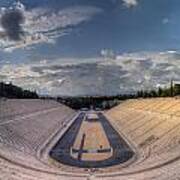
(165, 21)
(44, 25)
(125, 73)
(130, 3)
(107, 53)
(14, 72)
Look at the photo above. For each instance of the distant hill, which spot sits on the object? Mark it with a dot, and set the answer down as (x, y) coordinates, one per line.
(12, 91)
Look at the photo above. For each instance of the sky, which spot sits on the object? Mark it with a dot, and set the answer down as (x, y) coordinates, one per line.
(82, 47)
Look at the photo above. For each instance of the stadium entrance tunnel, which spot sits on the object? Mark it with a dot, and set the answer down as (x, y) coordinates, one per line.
(91, 142)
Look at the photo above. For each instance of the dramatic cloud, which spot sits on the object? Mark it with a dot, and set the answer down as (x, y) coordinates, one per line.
(11, 22)
(39, 25)
(126, 73)
(130, 3)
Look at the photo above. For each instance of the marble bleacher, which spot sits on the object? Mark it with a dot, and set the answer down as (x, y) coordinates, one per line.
(153, 128)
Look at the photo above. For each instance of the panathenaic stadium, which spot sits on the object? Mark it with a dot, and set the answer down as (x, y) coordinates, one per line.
(44, 140)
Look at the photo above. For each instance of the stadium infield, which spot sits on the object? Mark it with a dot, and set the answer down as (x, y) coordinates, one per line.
(79, 147)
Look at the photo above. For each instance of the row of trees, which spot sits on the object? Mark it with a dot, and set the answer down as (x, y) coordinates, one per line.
(160, 92)
(12, 91)
(107, 102)
(101, 102)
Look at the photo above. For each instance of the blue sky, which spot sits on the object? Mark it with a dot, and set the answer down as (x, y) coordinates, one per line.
(148, 25)
(82, 31)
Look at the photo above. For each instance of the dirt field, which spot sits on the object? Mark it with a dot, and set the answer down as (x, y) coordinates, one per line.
(91, 137)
